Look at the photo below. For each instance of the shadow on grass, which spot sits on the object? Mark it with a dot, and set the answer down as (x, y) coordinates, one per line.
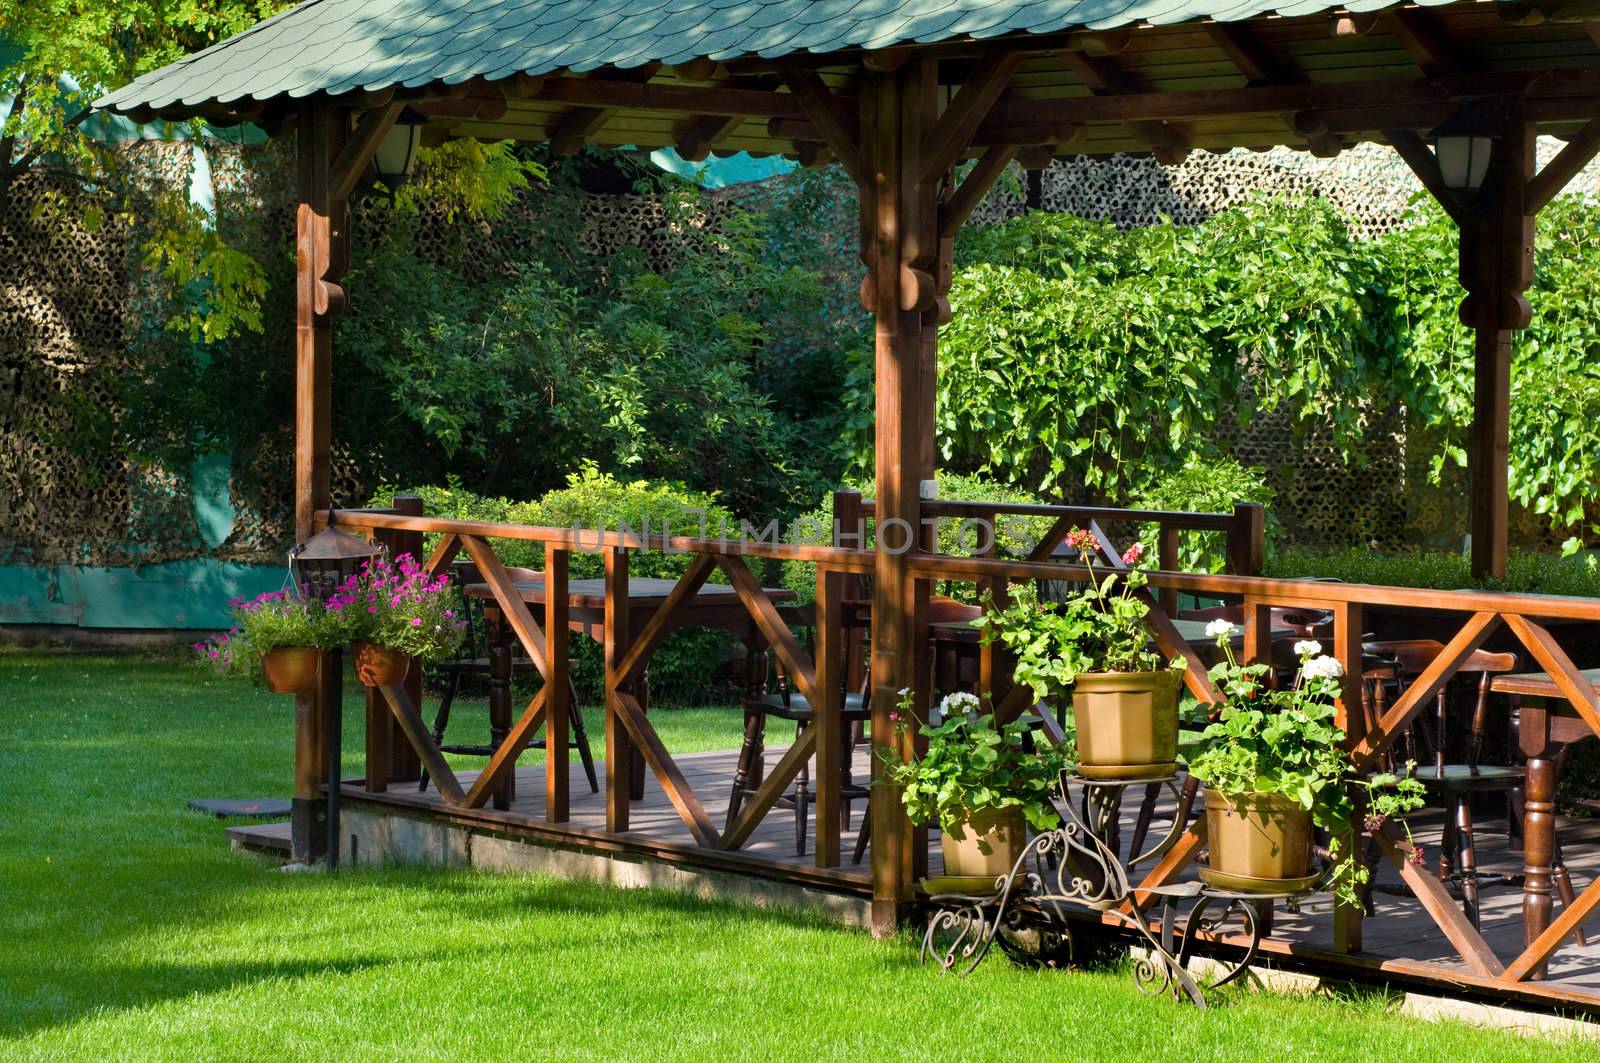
(547, 920)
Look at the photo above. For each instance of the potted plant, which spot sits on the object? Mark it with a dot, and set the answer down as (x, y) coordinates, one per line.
(398, 612)
(1094, 646)
(277, 636)
(1274, 764)
(980, 783)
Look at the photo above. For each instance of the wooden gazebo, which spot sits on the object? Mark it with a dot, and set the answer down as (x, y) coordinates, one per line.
(901, 93)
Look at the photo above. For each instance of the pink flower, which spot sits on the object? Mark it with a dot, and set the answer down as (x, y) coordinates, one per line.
(372, 609)
(416, 621)
(1078, 539)
(1133, 554)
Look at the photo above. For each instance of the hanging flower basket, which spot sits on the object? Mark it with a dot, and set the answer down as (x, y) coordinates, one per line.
(290, 669)
(377, 667)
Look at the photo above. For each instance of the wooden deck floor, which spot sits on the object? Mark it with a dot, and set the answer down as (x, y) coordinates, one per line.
(1399, 930)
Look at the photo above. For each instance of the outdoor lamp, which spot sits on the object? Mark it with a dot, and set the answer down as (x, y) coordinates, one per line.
(320, 564)
(1463, 146)
(396, 156)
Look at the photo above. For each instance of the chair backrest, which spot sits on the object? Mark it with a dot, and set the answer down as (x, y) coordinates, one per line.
(942, 610)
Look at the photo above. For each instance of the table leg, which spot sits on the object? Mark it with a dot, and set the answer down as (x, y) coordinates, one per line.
(1538, 825)
(498, 636)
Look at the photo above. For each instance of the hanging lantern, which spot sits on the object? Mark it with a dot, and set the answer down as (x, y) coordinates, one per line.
(396, 156)
(320, 564)
(1463, 146)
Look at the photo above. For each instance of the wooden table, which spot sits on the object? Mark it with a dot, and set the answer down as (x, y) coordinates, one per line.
(716, 606)
(1543, 729)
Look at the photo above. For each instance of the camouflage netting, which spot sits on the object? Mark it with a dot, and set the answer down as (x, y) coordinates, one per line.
(71, 298)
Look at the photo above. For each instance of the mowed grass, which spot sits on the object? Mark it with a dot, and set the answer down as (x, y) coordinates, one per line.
(129, 930)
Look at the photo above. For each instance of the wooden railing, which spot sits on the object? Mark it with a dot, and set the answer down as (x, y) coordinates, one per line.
(629, 732)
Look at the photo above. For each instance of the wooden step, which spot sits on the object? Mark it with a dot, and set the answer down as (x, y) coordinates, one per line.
(272, 838)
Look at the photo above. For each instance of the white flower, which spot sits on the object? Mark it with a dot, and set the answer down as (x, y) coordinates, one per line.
(905, 692)
(1307, 648)
(1323, 668)
(959, 703)
(1218, 628)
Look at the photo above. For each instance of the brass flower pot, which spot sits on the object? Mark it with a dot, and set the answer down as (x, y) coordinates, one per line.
(1258, 841)
(377, 667)
(1127, 723)
(290, 669)
(992, 840)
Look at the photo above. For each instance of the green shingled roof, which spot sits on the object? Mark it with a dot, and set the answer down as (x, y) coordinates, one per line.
(335, 46)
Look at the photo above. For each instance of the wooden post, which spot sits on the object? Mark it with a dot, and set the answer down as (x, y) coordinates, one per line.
(1168, 547)
(1496, 268)
(319, 260)
(902, 248)
(1247, 539)
(831, 739)
(557, 771)
(619, 751)
(1347, 648)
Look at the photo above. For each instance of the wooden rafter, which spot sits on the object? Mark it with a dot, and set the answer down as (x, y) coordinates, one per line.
(1260, 66)
(1420, 34)
(835, 123)
(1104, 78)
(574, 129)
(703, 132)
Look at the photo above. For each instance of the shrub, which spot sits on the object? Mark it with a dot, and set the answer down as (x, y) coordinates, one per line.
(684, 669)
(1013, 535)
(1526, 573)
(1205, 485)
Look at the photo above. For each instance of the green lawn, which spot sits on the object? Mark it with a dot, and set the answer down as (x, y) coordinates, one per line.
(129, 930)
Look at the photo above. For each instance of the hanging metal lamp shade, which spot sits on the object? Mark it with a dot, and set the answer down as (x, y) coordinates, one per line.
(320, 564)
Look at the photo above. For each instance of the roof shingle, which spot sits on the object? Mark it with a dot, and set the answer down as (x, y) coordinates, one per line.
(337, 45)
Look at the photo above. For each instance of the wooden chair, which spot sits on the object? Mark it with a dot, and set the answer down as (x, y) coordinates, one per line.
(474, 663)
(1454, 772)
(785, 703)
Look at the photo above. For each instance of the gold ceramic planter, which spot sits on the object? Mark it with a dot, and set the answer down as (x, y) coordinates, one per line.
(1127, 723)
(377, 667)
(290, 669)
(991, 844)
(1257, 840)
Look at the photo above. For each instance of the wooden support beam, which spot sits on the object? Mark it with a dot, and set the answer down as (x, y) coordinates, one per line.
(504, 759)
(618, 634)
(696, 141)
(948, 139)
(970, 192)
(673, 784)
(702, 133)
(557, 686)
(574, 129)
(1578, 153)
(1420, 34)
(1496, 269)
(1103, 78)
(357, 154)
(834, 125)
(1441, 907)
(1425, 165)
(1246, 52)
(1260, 66)
(320, 222)
(416, 732)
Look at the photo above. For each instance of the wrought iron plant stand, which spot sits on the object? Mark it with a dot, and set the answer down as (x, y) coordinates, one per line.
(1078, 865)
